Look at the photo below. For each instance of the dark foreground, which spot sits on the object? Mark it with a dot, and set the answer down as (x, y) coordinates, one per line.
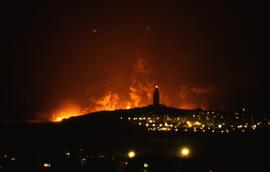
(53, 147)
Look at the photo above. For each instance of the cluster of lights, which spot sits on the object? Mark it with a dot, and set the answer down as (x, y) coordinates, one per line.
(7, 157)
(183, 152)
(204, 121)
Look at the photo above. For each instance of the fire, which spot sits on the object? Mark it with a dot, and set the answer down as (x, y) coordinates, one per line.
(128, 106)
(66, 111)
(139, 93)
(109, 101)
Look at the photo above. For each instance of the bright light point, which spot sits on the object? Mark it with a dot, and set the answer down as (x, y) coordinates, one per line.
(189, 124)
(131, 154)
(197, 123)
(156, 86)
(145, 165)
(165, 129)
(94, 30)
(46, 165)
(219, 125)
(184, 152)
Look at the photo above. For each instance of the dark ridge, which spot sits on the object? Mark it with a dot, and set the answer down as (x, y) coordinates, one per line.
(113, 116)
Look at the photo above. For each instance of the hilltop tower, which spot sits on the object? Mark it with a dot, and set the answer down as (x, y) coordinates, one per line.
(156, 96)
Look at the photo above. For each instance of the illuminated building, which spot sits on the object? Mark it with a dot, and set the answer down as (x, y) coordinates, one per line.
(156, 96)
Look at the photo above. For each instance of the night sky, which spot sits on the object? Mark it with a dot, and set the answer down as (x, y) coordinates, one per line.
(108, 55)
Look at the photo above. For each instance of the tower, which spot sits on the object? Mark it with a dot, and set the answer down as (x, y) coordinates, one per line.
(156, 96)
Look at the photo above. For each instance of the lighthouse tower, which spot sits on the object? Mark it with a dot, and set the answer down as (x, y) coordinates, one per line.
(156, 96)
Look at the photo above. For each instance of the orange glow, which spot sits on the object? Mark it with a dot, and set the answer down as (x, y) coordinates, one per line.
(112, 101)
(139, 93)
(66, 111)
(128, 106)
(140, 90)
(46, 165)
(109, 102)
(194, 97)
(58, 119)
(165, 129)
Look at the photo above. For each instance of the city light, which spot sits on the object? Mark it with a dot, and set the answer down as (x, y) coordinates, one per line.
(198, 122)
(184, 152)
(145, 165)
(46, 165)
(131, 154)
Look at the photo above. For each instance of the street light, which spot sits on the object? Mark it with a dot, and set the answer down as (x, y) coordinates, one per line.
(131, 154)
(184, 152)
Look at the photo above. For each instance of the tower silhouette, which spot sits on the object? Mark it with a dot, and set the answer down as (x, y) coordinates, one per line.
(156, 96)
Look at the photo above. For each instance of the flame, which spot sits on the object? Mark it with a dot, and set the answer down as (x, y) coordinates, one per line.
(66, 111)
(141, 87)
(110, 101)
(141, 94)
(140, 91)
(128, 106)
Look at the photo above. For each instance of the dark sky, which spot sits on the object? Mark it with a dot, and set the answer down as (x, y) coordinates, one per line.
(97, 55)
